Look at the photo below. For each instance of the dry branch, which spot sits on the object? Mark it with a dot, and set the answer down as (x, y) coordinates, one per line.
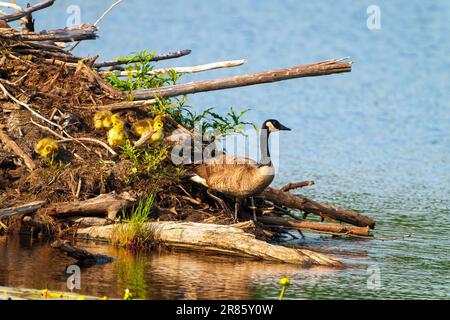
(105, 204)
(77, 33)
(194, 69)
(330, 228)
(27, 11)
(311, 70)
(166, 56)
(299, 202)
(17, 150)
(296, 185)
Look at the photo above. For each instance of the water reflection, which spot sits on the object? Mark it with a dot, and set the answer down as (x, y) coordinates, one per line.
(158, 275)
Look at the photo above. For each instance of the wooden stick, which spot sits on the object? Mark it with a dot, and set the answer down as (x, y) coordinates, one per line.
(170, 55)
(27, 11)
(82, 32)
(193, 69)
(95, 78)
(22, 209)
(297, 185)
(98, 20)
(299, 202)
(122, 105)
(315, 226)
(17, 150)
(311, 70)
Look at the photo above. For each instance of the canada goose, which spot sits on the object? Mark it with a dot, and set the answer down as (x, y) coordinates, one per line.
(240, 177)
(117, 136)
(47, 148)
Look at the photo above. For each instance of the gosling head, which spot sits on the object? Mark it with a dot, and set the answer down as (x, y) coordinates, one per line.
(158, 125)
(273, 125)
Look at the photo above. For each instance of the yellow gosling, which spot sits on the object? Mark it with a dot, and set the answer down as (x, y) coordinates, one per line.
(117, 136)
(102, 119)
(47, 148)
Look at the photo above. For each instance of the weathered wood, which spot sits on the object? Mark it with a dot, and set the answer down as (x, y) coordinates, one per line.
(95, 78)
(297, 185)
(22, 209)
(170, 55)
(124, 105)
(218, 239)
(106, 204)
(17, 150)
(85, 222)
(76, 33)
(330, 228)
(27, 11)
(310, 70)
(193, 69)
(81, 255)
(299, 202)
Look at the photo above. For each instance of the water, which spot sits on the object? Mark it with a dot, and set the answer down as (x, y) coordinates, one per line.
(375, 140)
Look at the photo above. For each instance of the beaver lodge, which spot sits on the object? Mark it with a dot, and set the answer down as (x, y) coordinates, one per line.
(104, 171)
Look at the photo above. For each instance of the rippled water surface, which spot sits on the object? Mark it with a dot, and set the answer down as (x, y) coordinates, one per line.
(375, 140)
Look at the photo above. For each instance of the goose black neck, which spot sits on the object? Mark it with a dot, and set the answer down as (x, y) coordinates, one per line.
(264, 146)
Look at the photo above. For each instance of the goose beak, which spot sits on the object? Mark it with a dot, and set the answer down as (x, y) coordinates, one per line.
(281, 127)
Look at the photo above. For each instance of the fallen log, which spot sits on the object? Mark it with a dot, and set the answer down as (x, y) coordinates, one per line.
(85, 222)
(103, 205)
(329, 228)
(220, 239)
(297, 185)
(22, 209)
(310, 70)
(309, 206)
(81, 255)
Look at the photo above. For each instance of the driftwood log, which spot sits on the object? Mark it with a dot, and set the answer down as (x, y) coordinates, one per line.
(81, 255)
(309, 206)
(106, 204)
(22, 209)
(311, 70)
(219, 239)
(329, 228)
(17, 150)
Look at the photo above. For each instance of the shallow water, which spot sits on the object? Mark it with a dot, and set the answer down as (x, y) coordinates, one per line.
(375, 140)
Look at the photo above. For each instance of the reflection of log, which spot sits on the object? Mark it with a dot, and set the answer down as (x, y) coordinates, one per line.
(106, 204)
(330, 228)
(22, 209)
(310, 70)
(80, 255)
(218, 239)
(295, 201)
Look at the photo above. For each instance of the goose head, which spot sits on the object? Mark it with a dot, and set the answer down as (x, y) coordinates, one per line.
(273, 125)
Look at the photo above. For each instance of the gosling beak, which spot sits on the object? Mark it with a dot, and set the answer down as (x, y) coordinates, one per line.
(281, 127)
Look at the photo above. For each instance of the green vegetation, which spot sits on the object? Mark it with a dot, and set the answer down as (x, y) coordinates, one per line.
(134, 232)
(138, 67)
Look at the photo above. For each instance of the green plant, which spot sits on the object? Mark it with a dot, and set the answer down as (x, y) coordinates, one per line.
(134, 232)
(138, 69)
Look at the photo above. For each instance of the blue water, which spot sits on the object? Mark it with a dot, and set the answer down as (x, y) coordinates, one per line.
(376, 139)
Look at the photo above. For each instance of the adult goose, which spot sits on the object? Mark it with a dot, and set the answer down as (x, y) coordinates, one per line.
(238, 177)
